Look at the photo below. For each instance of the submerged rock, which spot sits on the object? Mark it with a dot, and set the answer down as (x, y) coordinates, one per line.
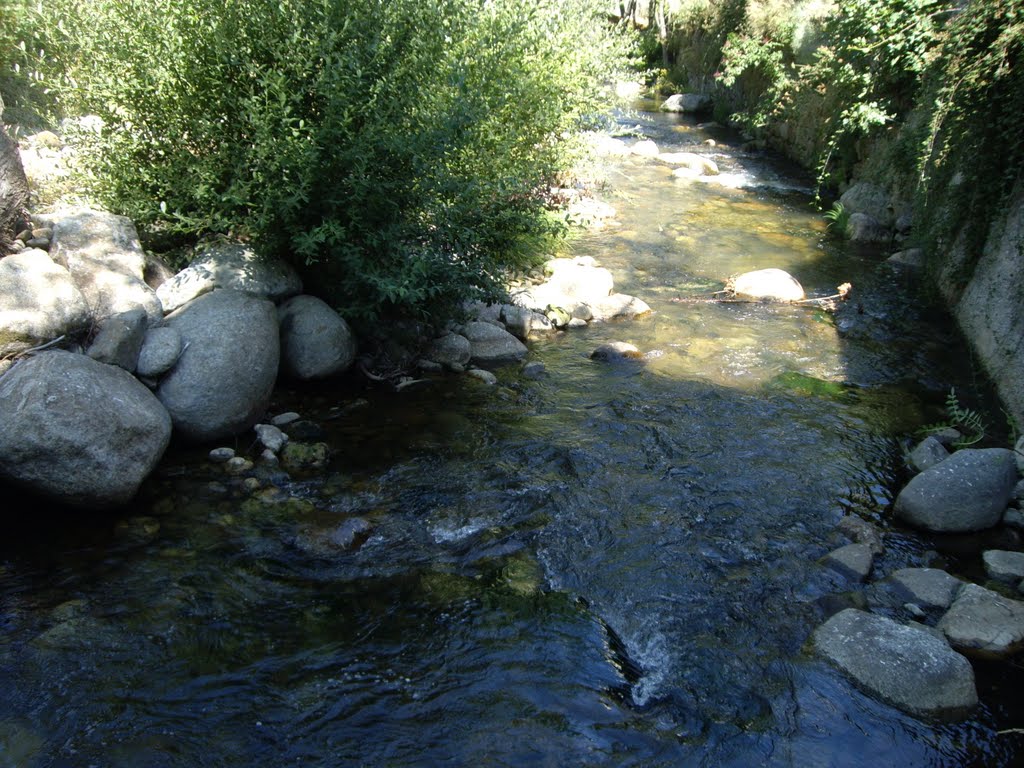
(905, 666)
(616, 350)
(853, 561)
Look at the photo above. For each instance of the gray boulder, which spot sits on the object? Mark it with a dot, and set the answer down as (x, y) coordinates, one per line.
(222, 382)
(491, 345)
(863, 228)
(78, 431)
(618, 305)
(870, 199)
(316, 342)
(518, 320)
(234, 266)
(928, 453)
(103, 254)
(983, 623)
(450, 350)
(773, 284)
(1004, 566)
(38, 302)
(926, 587)
(119, 339)
(687, 102)
(689, 164)
(907, 667)
(969, 491)
(161, 348)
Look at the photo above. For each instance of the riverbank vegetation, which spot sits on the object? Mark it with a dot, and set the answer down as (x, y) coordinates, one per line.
(398, 152)
(921, 96)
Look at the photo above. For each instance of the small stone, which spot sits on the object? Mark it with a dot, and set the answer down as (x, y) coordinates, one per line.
(853, 561)
(481, 375)
(1004, 566)
(928, 453)
(271, 437)
(862, 532)
(269, 457)
(222, 455)
(577, 323)
(914, 610)
(947, 436)
(583, 312)
(429, 366)
(251, 485)
(38, 242)
(236, 465)
(285, 418)
(305, 457)
(161, 349)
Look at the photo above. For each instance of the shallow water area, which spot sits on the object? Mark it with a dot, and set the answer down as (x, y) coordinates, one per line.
(612, 565)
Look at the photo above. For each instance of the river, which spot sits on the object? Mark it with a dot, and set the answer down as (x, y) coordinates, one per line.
(613, 565)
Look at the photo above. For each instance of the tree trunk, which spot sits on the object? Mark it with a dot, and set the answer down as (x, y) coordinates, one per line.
(13, 190)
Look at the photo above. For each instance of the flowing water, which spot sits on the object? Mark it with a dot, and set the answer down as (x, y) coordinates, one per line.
(614, 565)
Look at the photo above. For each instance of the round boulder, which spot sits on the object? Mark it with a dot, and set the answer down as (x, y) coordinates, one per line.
(773, 284)
(222, 382)
(316, 342)
(79, 431)
(969, 491)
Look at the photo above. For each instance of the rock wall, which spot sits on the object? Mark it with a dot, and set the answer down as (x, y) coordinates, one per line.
(990, 309)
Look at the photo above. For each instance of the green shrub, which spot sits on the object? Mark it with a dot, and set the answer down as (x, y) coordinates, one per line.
(395, 150)
(25, 99)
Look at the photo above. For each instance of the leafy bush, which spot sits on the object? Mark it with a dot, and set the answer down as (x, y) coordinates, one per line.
(24, 98)
(395, 150)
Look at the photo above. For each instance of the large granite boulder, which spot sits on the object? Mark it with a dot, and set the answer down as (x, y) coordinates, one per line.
(491, 345)
(687, 102)
(772, 284)
(234, 266)
(570, 282)
(79, 431)
(983, 623)
(969, 491)
(907, 667)
(316, 342)
(871, 200)
(223, 380)
(103, 254)
(38, 301)
(450, 350)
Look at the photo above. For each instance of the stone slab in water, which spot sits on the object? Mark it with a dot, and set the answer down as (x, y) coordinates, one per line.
(984, 623)
(853, 561)
(1004, 566)
(926, 587)
(907, 667)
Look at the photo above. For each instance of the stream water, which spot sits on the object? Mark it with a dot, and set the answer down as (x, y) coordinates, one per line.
(614, 565)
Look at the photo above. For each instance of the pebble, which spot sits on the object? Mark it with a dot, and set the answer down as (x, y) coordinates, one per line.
(238, 464)
(285, 418)
(222, 455)
(481, 375)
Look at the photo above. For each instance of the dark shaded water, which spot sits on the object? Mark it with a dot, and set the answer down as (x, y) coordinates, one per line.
(612, 566)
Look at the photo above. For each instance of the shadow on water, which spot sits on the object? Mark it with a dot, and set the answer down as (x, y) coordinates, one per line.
(612, 565)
